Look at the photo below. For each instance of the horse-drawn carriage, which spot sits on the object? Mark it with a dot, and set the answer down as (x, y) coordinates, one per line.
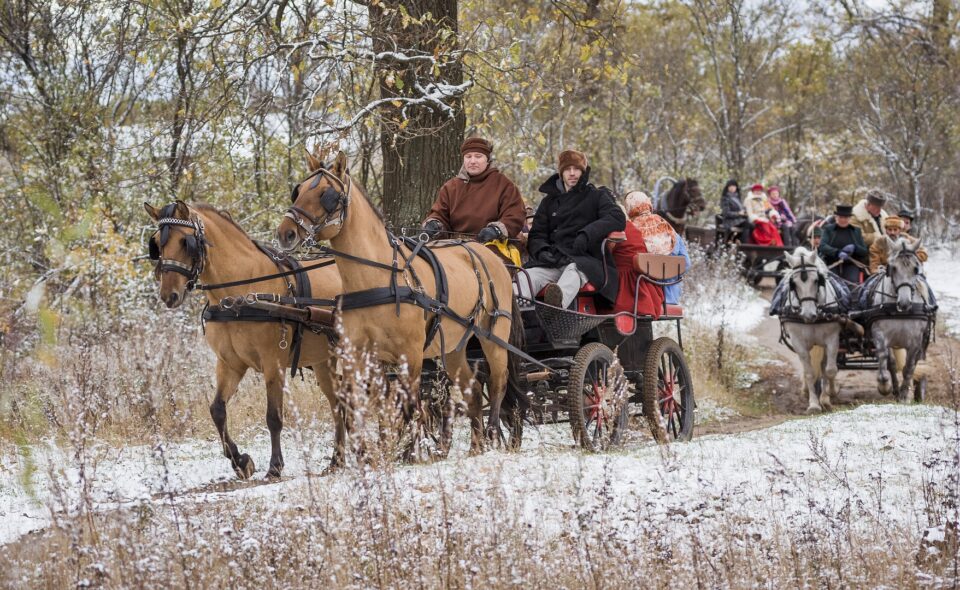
(450, 303)
(885, 325)
(683, 200)
(594, 368)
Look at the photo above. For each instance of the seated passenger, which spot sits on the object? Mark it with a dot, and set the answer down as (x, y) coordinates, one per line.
(907, 217)
(785, 220)
(479, 200)
(758, 213)
(568, 229)
(733, 217)
(842, 244)
(646, 232)
(672, 293)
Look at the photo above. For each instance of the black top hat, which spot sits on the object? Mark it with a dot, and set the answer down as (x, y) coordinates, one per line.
(843, 211)
(905, 213)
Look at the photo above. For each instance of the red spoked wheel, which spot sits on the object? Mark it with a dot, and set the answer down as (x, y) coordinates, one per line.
(597, 398)
(668, 402)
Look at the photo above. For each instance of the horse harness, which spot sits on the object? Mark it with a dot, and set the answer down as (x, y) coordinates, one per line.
(790, 314)
(228, 311)
(333, 201)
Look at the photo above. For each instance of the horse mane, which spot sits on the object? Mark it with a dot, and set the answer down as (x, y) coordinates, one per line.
(225, 215)
(363, 192)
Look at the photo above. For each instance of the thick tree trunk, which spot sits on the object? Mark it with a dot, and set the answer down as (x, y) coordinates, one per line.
(419, 146)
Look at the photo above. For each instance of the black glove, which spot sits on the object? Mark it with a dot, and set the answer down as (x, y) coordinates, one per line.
(549, 255)
(581, 243)
(432, 227)
(488, 234)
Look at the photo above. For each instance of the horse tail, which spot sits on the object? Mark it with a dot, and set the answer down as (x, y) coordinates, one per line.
(515, 400)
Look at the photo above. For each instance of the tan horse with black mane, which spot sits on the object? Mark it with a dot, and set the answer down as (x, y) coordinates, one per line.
(199, 243)
(378, 271)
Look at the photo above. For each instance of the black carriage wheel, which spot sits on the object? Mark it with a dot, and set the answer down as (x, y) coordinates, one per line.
(667, 394)
(597, 398)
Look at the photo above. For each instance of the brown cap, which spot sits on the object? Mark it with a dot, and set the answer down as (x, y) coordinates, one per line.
(572, 158)
(876, 198)
(476, 144)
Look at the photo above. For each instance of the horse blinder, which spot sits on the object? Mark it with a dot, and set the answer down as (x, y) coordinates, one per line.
(153, 248)
(330, 199)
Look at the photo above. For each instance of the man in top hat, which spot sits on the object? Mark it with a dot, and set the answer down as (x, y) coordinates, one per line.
(868, 216)
(568, 229)
(841, 241)
(478, 200)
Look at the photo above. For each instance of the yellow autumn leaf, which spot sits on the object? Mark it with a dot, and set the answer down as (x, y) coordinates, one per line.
(585, 53)
(529, 165)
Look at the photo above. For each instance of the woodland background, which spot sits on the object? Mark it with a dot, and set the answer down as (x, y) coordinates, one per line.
(104, 105)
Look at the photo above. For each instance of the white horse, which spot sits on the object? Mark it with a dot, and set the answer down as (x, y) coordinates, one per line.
(810, 324)
(903, 326)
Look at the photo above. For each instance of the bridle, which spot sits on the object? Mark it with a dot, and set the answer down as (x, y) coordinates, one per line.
(333, 201)
(195, 245)
(912, 285)
(803, 271)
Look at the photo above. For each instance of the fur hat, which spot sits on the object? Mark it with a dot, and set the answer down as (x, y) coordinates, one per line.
(476, 144)
(843, 211)
(757, 188)
(892, 222)
(571, 158)
(876, 198)
(905, 214)
(817, 231)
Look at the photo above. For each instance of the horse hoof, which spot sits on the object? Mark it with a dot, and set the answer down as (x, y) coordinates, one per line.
(274, 472)
(814, 410)
(244, 467)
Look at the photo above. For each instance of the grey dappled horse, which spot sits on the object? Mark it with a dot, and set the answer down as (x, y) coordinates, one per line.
(811, 301)
(901, 284)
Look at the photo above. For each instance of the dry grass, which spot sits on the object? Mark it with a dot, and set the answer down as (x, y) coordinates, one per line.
(384, 535)
(135, 378)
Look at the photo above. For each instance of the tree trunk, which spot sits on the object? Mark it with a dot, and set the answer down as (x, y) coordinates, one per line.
(420, 146)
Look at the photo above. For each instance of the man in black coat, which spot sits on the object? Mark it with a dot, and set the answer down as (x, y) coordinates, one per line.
(568, 230)
(842, 242)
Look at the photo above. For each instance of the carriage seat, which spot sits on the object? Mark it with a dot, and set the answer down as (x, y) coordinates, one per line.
(660, 267)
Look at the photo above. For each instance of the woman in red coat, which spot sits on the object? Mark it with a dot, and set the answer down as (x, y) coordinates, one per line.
(646, 232)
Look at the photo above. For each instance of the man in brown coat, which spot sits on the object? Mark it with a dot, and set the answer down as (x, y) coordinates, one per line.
(479, 200)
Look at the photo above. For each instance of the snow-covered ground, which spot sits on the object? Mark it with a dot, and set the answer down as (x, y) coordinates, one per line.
(943, 272)
(871, 458)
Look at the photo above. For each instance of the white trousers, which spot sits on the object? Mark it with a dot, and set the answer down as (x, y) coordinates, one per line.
(568, 277)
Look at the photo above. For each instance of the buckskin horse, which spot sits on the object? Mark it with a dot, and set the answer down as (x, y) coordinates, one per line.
(407, 301)
(198, 243)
